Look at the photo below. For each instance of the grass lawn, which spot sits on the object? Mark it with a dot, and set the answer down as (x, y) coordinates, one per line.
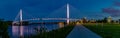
(105, 30)
(59, 33)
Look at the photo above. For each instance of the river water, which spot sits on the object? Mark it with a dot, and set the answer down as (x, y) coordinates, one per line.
(14, 31)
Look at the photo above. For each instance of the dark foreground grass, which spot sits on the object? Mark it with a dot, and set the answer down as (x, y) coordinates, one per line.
(105, 30)
(59, 33)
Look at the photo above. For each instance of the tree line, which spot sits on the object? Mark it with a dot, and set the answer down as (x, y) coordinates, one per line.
(4, 29)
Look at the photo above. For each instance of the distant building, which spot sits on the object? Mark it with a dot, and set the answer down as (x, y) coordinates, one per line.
(109, 19)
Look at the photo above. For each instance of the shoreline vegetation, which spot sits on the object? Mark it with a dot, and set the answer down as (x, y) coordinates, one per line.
(105, 30)
(58, 33)
(4, 29)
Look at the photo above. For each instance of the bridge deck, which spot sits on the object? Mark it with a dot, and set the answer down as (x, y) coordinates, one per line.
(80, 31)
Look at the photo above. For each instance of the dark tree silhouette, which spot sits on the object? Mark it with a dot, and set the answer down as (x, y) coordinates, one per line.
(3, 29)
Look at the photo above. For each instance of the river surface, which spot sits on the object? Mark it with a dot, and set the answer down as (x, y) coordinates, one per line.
(14, 31)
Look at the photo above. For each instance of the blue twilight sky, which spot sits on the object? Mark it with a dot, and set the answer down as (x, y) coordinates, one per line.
(54, 8)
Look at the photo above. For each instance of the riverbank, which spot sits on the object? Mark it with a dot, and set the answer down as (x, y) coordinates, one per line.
(59, 33)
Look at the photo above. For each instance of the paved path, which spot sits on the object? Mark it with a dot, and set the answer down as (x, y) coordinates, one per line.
(80, 31)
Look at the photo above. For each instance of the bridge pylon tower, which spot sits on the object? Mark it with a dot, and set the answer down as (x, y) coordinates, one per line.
(68, 13)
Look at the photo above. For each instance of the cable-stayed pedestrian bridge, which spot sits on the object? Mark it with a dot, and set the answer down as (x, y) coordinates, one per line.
(19, 20)
(42, 19)
(68, 19)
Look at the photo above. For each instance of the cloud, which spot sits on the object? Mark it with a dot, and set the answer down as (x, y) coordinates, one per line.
(116, 3)
(112, 11)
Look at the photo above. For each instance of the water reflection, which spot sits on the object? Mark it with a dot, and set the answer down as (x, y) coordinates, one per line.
(29, 29)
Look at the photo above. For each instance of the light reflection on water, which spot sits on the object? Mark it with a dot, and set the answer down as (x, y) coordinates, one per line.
(14, 31)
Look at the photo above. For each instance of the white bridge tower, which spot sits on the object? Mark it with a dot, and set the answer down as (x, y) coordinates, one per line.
(68, 13)
(21, 27)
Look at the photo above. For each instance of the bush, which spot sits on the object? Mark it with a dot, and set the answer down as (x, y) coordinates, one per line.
(59, 33)
(3, 29)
